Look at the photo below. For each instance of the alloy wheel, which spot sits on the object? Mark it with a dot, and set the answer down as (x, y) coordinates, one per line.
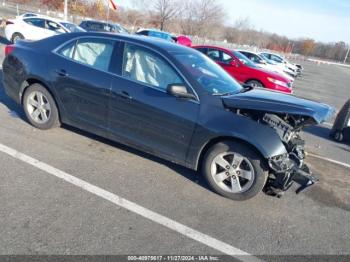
(232, 172)
(38, 107)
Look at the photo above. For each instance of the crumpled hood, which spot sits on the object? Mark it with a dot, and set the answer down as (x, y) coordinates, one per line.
(276, 102)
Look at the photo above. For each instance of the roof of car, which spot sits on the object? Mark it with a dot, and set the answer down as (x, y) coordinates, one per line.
(246, 51)
(152, 42)
(46, 17)
(214, 47)
(96, 22)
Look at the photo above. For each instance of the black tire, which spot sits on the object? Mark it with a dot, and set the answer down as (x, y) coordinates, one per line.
(257, 162)
(254, 83)
(16, 36)
(342, 118)
(338, 136)
(52, 117)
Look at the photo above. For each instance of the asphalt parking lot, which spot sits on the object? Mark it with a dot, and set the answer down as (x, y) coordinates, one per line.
(42, 214)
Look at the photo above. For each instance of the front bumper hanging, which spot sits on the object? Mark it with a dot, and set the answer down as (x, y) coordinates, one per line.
(283, 180)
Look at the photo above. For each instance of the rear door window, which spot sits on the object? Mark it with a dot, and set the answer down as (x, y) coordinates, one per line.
(38, 22)
(96, 53)
(53, 26)
(215, 55)
(226, 58)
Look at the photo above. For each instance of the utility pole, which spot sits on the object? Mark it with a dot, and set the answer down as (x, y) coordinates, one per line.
(347, 54)
(107, 11)
(66, 10)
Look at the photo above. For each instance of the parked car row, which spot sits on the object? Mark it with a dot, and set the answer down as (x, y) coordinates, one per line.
(245, 71)
(178, 103)
(256, 69)
(36, 27)
(181, 39)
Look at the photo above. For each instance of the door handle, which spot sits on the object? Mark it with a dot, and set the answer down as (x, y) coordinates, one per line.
(125, 95)
(61, 72)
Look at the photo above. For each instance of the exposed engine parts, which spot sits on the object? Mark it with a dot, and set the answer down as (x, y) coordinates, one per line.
(290, 167)
(284, 130)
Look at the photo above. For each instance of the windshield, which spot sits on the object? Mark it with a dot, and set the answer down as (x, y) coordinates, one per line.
(210, 76)
(73, 28)
(245, 60)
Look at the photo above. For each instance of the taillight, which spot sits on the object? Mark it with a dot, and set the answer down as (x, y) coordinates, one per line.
(9, 49)
(9, 23)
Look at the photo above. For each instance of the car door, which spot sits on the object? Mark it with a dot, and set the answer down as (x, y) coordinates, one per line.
(227, 62)
(80, 73)
(142, 113)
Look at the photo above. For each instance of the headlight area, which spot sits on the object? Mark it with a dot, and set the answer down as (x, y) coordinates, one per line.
(280, 83)
(285, 170)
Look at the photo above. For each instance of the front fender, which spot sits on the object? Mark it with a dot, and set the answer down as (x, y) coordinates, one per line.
(230, 125)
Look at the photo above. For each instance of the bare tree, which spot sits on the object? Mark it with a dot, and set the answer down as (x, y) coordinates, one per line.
(165, 10)
(199, 17)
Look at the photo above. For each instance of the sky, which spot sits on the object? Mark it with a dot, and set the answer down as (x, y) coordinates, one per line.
(322, 20)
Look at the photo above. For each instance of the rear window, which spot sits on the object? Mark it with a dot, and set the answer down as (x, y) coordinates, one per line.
(95, 26)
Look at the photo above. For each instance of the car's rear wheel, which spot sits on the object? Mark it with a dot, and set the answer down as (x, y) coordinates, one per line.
(338, 136)
(16, 37)
(40, 107)
(254, 83)
(234, 170)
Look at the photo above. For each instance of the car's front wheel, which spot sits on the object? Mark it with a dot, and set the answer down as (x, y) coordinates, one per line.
(234, 170)
(40, 107)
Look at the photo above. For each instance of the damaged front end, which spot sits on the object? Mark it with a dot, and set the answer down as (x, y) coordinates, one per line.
(288, 168)
(287, 115)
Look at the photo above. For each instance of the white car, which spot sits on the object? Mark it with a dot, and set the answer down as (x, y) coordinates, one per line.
(265, 64)
(292, 69)
(37, 27)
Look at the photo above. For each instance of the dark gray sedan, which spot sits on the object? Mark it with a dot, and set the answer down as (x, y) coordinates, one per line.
(167, 100)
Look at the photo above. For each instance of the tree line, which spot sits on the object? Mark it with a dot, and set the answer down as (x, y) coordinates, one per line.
(202, 18)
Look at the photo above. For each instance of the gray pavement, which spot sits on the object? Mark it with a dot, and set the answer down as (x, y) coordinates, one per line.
(41, 214)
(331, 85)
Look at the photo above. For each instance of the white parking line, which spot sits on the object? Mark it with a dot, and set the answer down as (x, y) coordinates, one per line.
(329, 160)
(133, 207)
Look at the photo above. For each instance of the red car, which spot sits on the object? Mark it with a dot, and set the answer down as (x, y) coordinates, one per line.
(244, 70)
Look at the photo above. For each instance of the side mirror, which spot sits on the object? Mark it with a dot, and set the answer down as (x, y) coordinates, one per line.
(179, 90)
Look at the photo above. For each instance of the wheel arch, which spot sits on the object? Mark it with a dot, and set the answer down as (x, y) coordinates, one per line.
(16, 33)
(254, 79)
(219, 139)
(33, 80)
